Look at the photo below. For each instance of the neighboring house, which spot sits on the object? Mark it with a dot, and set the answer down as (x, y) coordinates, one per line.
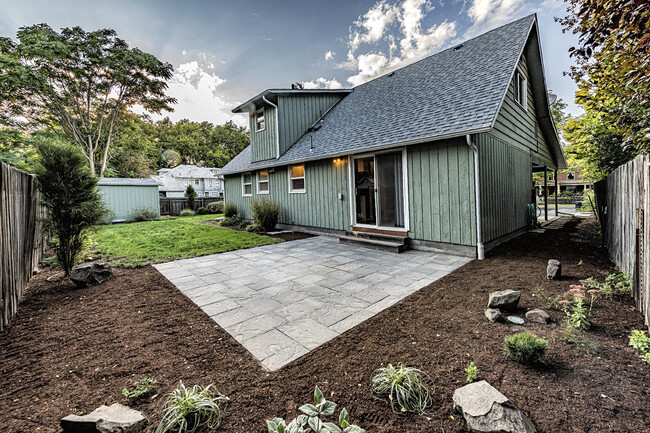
(125, 196)
(400, 154)
(174, 181)
(568, 181)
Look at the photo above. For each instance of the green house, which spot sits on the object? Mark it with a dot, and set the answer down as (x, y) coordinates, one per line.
(440, 152)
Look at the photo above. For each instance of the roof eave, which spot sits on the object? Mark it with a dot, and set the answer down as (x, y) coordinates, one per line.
(245, 107)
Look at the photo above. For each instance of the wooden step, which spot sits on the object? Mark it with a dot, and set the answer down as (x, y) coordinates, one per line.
(377, 242)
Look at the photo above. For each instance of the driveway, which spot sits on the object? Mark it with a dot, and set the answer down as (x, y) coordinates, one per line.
(280, 301)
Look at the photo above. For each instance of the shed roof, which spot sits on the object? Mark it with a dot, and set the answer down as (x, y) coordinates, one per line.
(125, 181)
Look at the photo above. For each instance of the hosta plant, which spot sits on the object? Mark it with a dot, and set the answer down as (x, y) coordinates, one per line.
(310, 421)
(405, 387)
(190, 409)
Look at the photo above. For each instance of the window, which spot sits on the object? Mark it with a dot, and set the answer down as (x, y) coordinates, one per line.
(521, 89)
(197, 182)
(259, 121)
(297, 178)
(571, 176)
(246, 184)
(263, 182)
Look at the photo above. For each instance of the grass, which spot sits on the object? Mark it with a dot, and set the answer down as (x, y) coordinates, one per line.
(139, 244)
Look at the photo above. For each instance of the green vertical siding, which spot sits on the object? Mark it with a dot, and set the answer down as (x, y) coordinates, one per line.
(264, 145)
(319, 206)
(506, 180)
(298, 112)
(125, 200)
(441, 192)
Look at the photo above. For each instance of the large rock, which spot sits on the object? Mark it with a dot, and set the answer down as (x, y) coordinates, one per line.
(554, 270)
(89, 274)
(115, 418)
(486, 410)
(504, 300)
(494, 315)
(538, 316)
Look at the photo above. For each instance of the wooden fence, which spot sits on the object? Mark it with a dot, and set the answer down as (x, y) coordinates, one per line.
(174, 206)
(21, 239)
(623, 201)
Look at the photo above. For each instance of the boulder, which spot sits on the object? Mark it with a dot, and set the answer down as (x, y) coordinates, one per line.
(504, 300)
(554, 270)
(494, 314)
(486, 410)
(115, 418)
(538, 316)
(89, 274)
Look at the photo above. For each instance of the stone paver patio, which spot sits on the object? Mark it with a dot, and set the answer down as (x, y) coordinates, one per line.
(281, 301)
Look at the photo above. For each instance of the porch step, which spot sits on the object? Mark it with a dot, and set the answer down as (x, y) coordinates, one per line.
(376, 241)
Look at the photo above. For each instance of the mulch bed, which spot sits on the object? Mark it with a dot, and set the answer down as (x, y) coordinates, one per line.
(70, 350)
(288, 236)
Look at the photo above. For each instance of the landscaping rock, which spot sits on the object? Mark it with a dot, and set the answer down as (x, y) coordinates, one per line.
(494, 314)
(115, 418)
(90, 274)
(504, 300)
(486, 410)
(516, 320)
(554, 270)
(538, 316)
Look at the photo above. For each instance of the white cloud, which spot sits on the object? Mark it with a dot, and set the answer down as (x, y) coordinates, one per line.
(369, 66)
(322, 83)
(329, 55)
(489, 14)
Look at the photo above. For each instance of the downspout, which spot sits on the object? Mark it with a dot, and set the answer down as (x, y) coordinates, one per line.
(277, 133)
(480, 249)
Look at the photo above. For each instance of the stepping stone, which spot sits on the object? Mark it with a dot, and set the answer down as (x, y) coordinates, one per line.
(115, 418)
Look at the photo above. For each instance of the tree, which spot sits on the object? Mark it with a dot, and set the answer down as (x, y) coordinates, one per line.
(557, 112)
(78, 84)
(69, 192)
(190, 194)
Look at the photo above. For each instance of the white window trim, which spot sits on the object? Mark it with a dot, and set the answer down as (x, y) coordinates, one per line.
(261, 110)
(304, 176)
(519, 74)
(243, 194)
(267, 181)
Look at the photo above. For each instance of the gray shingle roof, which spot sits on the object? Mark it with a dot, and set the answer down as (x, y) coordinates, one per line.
(454, 92)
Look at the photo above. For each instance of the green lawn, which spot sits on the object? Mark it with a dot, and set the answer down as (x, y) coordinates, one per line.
(139, 244)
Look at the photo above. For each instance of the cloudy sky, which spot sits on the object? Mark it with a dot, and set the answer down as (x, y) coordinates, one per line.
(226, 51)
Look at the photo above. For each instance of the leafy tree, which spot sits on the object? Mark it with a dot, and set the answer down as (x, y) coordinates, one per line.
(560, 117)
(190, 194)
(69, 192)
(78, 83)
(136, 149)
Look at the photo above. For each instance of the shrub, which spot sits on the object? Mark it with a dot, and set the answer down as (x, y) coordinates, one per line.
(216, 207)
(622, 283)
(254, 228)
(576, 306)
(404, 387)
(142, 387)
(233, 221)
(230, 210)
(641, 342)
(525, 348)
(265, 213)
(187, 212)
(472, 372)
(202, 211)
(310, 420)
(191, 409)
(144, 214)
(190, 194)
(69, 192)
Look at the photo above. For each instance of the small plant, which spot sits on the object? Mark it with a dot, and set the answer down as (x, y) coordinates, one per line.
(265, 213)
(202, 211)
(233, 221)
(190, 194)
(525, 348)
(576, 306)
(550, 302)
(472, 372)
(405, 388)
(230, 210)
(310, 420)
(190, 409)
(641, 342)
(187, 212)
(254, 228)
(144, 214)
(622, 283)
(578, 338)
(215, 207)
(141, 388)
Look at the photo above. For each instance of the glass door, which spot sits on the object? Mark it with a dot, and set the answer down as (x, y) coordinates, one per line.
(390, 190)
(364, 183)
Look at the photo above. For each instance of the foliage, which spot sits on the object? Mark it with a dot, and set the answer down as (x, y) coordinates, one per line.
(310, 420)
(405, 387)
(579, 339)
(79, 84)
(144, 214)
(233, 221)
(549, 302)
(202, 211)
(557, 112)
(215, 207)
(576, 306)
(641, 342)
(69, 192)
(254, 228)
(588, 202)
(190, 409)
(18, 150)
(166, 239)
(621, 282)
(230, 210)
(472, 372)
(141, 388)
(525, 348)
(266, 213)
(190, 194)
(187, 212)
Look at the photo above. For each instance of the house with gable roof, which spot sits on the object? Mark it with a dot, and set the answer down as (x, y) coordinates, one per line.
(439, 153)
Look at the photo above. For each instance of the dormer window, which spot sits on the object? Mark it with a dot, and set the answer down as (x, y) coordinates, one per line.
(259, 120)
(521, 90)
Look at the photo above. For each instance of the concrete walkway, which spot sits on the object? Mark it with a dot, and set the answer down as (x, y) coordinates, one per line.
(281, 301)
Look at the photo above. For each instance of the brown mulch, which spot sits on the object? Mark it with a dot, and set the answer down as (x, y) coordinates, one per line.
(287, 236)
(70, 350)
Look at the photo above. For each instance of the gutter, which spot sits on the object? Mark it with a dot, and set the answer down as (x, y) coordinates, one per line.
(277, 131)
(480, 249)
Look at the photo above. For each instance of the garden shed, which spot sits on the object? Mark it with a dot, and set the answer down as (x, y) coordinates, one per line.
(124, 196)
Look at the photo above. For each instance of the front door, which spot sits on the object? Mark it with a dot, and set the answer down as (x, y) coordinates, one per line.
(379, 190)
